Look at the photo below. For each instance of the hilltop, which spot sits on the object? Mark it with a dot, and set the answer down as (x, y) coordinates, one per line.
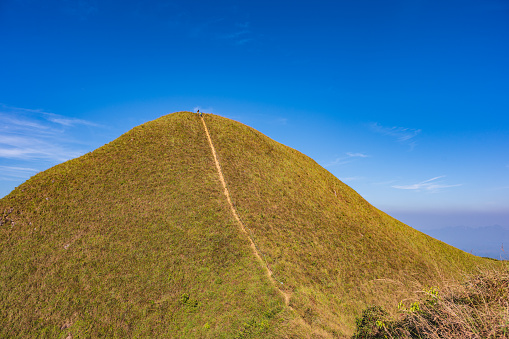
(137, 239)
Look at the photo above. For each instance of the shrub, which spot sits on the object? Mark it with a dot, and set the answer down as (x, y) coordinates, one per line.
(371, 324)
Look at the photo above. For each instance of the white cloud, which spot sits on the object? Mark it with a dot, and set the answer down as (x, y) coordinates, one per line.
(356, 155)
(69, 122)
(13, 123)
(350, 179)
(23, 118)
(240, 34)
(32, 140)
(38, 150)
(427, 185)
(31, 134)
(13, 173)
(384, 183)
(279, 121)
(401, 134)
(25, 169)
(350, 157)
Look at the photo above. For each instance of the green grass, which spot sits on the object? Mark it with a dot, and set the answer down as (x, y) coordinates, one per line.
(136, 239)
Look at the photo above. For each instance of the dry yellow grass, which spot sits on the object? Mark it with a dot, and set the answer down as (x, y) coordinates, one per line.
(475, 309)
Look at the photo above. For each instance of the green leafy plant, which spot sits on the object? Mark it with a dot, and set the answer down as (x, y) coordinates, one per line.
(371, 324)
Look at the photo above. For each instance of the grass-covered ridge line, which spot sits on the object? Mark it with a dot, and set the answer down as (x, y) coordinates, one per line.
(136, 239)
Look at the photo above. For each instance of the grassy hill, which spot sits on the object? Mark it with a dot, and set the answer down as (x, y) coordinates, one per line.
(137, 239)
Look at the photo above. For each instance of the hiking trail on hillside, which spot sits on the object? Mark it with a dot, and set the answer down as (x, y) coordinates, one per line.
(256, 252)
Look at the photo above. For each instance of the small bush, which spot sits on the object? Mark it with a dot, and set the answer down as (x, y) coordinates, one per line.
(371, 323)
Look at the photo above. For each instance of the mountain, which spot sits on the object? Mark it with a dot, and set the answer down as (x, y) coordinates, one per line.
(486, 241)
(138, 239)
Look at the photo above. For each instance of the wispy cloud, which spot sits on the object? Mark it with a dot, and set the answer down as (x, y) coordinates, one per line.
(240, 34)
(385, 183)
(357, 155)
(27, 148)
(16, 123)
(69, 122)
(239, 37)
(349, 179)
(279, 121)
(26, 118)
(432, 185)
(13, 173)
(12, 168)
(400, 134)
(32, 140)
(30, 134)
(350, 157)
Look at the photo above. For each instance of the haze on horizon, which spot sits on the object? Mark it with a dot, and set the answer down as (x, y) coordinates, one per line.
(405, 101)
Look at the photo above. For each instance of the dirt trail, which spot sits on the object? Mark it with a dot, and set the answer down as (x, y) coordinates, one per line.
(286, 295)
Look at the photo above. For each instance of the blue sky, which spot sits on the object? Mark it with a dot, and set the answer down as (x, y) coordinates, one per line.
(406, 101)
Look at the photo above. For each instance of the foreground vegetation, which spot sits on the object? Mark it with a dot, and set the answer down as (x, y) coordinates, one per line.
(478, 308)
(136, 239)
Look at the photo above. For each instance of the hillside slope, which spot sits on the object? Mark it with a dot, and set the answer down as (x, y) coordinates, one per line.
(137, 239)
(334, 251)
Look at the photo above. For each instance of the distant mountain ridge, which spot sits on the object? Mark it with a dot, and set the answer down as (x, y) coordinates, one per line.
(137, 239)
(489, 241)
